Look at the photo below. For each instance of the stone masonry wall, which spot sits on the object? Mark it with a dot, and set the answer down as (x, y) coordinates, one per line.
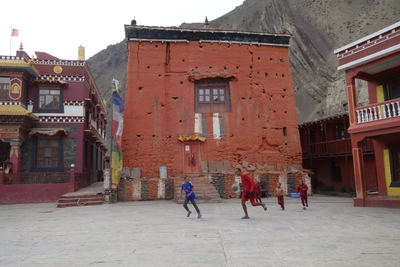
(146, 189)
(163, 188)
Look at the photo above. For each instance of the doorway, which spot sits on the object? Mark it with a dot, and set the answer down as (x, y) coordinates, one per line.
(191, 158)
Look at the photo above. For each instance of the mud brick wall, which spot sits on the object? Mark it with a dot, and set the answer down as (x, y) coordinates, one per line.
(160, 90)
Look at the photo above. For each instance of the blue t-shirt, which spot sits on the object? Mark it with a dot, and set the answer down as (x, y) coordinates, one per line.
(187, 187)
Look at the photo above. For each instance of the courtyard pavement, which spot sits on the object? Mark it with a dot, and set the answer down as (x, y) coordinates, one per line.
(331, 232)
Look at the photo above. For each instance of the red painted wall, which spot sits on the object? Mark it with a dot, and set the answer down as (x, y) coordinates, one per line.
(323, 178)
(160, 105)
(32, 193)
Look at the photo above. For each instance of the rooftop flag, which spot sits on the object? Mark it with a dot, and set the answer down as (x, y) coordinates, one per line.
(14, 33)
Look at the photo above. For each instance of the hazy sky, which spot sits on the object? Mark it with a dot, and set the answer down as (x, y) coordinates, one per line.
(60, 27)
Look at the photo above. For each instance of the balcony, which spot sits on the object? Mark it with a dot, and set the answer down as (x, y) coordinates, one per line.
(334, 148)
(378, 111)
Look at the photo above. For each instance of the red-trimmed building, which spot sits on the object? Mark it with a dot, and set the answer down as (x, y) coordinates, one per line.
(375, 59)
(52, 127)
(327, 151)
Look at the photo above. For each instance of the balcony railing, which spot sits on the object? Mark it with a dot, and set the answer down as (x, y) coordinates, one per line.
(379, 111)
(334, 148)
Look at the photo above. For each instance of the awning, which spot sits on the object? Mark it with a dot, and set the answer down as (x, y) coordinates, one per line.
(16, 110)
(191, 138)
(196, 76)
(47, 131)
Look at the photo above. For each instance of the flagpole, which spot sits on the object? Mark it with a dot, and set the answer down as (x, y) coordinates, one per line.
(112, 136)
(10, 41)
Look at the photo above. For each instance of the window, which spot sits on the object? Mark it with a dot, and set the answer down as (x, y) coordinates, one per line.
(4, 88)
(394, 152)
(339, 131)
(212, 95)
(393, 91)
(391, 86)
(47, 152)
(49, 99)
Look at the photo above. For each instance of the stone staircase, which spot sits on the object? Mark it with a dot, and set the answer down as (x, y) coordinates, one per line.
(88, 196)
(76, 201)
(205, 192)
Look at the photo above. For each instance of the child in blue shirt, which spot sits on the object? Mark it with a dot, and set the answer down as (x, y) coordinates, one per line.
(189, 196)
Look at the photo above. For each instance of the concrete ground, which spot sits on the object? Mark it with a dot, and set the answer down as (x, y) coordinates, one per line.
(331, 232)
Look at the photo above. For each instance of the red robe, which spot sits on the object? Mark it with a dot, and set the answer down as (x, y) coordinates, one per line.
(302, 188)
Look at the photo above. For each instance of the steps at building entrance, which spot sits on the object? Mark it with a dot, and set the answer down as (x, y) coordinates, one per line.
(205, 192)
(76, 201)
(88, 196)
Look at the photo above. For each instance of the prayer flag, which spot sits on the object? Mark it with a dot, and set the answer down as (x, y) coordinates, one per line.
(118, 117)
(14, 33)
(116, 166)
(118, 107)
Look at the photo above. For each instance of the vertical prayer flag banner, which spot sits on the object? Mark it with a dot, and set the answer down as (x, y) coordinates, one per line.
(116, 165)
(118, 107)
(118, 118)
(14, 32)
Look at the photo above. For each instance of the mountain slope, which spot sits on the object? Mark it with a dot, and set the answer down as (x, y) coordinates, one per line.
(318, 27)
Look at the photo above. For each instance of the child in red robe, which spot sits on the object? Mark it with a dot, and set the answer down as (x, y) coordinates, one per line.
(302, 189)
(279, 195)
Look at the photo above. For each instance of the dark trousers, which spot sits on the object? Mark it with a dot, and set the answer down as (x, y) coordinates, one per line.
(193, 203)
(304, 200)
(281, 201)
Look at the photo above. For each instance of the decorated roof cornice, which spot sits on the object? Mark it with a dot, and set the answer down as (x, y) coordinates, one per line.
(175, 34)
(62, 119)
(368, 41)
(56, 78)
(60, 62)
(19, 63)
(74, 103)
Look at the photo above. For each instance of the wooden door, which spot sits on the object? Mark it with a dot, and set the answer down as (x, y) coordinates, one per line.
(191, 158)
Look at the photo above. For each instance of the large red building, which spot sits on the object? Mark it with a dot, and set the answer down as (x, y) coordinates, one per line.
(203, 101)
(52, 127)
(375, 59)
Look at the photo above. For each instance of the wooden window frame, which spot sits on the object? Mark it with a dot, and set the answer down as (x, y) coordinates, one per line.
(49, 95)
(40, 98)
(391, 86)
(52, 144)
(5, 91)
(208, 95)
